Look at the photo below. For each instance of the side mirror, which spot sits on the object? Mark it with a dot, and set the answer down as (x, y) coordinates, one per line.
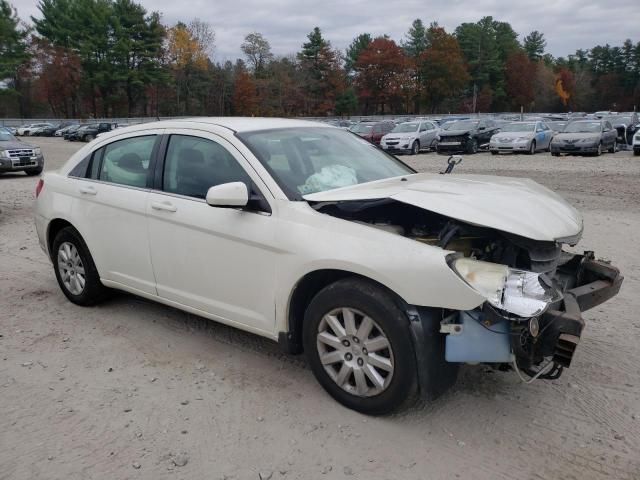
(234, 194)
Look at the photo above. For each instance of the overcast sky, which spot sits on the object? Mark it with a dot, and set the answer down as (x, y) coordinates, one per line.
(566, 24)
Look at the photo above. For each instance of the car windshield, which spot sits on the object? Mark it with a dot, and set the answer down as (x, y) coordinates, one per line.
(583, 127)
(307, 160)
(6, 136)
(557, 126)
(406, 127)
(621, 120)
(361, 128)
(518, 127)
(461, 125)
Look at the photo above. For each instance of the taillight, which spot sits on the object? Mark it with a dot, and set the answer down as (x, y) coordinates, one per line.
(39, 187)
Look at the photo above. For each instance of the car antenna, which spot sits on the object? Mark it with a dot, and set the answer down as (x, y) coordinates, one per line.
(452, 161)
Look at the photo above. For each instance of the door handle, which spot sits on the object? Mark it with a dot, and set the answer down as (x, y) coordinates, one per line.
(164, 206)
(88, 190)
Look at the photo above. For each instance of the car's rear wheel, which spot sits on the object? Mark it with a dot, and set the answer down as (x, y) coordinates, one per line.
(75, 271)
(358, 345)
(472, 146)
(415, 147)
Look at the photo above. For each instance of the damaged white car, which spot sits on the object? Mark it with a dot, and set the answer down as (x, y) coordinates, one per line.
(386, 278)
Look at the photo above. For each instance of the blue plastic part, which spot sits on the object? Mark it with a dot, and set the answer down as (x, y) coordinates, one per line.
(477, 343)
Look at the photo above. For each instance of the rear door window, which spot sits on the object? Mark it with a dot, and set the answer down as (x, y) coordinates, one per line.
(126, 162)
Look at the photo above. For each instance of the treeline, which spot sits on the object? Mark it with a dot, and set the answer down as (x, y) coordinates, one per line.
(112, 58)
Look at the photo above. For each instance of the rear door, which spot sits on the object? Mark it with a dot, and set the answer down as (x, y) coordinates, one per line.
(110, 209)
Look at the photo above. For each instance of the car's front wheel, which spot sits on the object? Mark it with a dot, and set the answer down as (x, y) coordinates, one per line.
(614, 147)
(415, 147)
(75, 271)
(358, 345)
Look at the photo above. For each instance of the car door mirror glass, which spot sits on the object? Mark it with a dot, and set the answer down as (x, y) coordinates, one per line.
(233, 194)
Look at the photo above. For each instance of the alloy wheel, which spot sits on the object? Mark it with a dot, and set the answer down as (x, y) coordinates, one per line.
(355, 352)
(71, 268)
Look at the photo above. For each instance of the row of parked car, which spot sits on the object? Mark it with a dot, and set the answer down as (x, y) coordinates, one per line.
(577, 135)
(84, 132)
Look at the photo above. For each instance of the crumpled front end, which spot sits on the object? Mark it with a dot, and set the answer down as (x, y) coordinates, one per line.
(540, 345)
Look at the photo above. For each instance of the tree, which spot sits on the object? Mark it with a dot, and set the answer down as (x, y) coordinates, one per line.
(257, 50)
(416, 40)
(382, 75)
(357, 46)
(564, 86)
(520, 75)
(322, 74)
(13, 41)
(347, 102)
(443, 70)
(534, 45)
(245, 99)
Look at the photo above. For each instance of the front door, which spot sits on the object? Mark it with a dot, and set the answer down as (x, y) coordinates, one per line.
(217, 260)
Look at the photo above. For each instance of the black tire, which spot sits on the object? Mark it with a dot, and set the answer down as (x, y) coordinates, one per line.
(472, 146)
(88, 138)
(614, 147)
(555, 154)
(494, 152)
(599, 151)
(636, 153)
(415, 147)
(33, 172)
(378, 304)
(532, 148)
(434, 145)
(94, 291)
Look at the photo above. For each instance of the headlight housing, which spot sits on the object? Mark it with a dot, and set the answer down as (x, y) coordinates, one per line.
(4, 153)
(37, 151)
(522, 293)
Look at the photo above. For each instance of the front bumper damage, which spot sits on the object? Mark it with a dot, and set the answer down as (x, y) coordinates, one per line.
(485, 335)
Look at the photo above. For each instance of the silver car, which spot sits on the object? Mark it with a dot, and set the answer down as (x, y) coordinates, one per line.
(410, 137)
(527, 137)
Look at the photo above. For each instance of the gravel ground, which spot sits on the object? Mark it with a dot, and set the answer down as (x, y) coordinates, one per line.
(132, 389)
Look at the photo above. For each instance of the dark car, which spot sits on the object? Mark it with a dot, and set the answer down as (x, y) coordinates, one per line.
(585, 137)
(372, 131)
(627, 124)
(88, 132)
(17, 156)
(70, 132)
(50, 131)
(465, 135)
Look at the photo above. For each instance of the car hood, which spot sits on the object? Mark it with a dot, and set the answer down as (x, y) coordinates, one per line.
(401, 135)
(575, 136)
(511, 135)
(13, 145)
(453, 133)
(518, 206)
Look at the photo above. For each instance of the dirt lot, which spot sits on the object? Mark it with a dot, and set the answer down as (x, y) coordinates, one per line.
(132, 389)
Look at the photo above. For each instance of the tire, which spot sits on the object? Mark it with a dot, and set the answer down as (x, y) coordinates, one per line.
(636, 153)
(396, 376)
(472, 146)
(34, 172)
(555, 154)
(494, 152)
(88, 138)
(415, 147)
(614, 147)
(599, 151)
(70, 242)
(532, 148)
(434, 146)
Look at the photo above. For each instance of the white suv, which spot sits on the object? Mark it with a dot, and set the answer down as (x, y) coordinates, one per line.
(308, 235)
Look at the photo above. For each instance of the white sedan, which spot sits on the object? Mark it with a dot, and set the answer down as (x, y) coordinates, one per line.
(304, 233)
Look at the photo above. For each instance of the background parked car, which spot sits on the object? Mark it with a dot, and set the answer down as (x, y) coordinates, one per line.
(636, 144)
(557, 125)
(92, 130)
(61, 131)
(585, 137)
(17, 156)
(27, 130)
(627, 124)
(372, 131)
(410, 137)
(70, 134)
(465, 135)
(528, 137)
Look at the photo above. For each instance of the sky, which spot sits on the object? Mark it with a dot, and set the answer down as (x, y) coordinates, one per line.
(566, 24)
